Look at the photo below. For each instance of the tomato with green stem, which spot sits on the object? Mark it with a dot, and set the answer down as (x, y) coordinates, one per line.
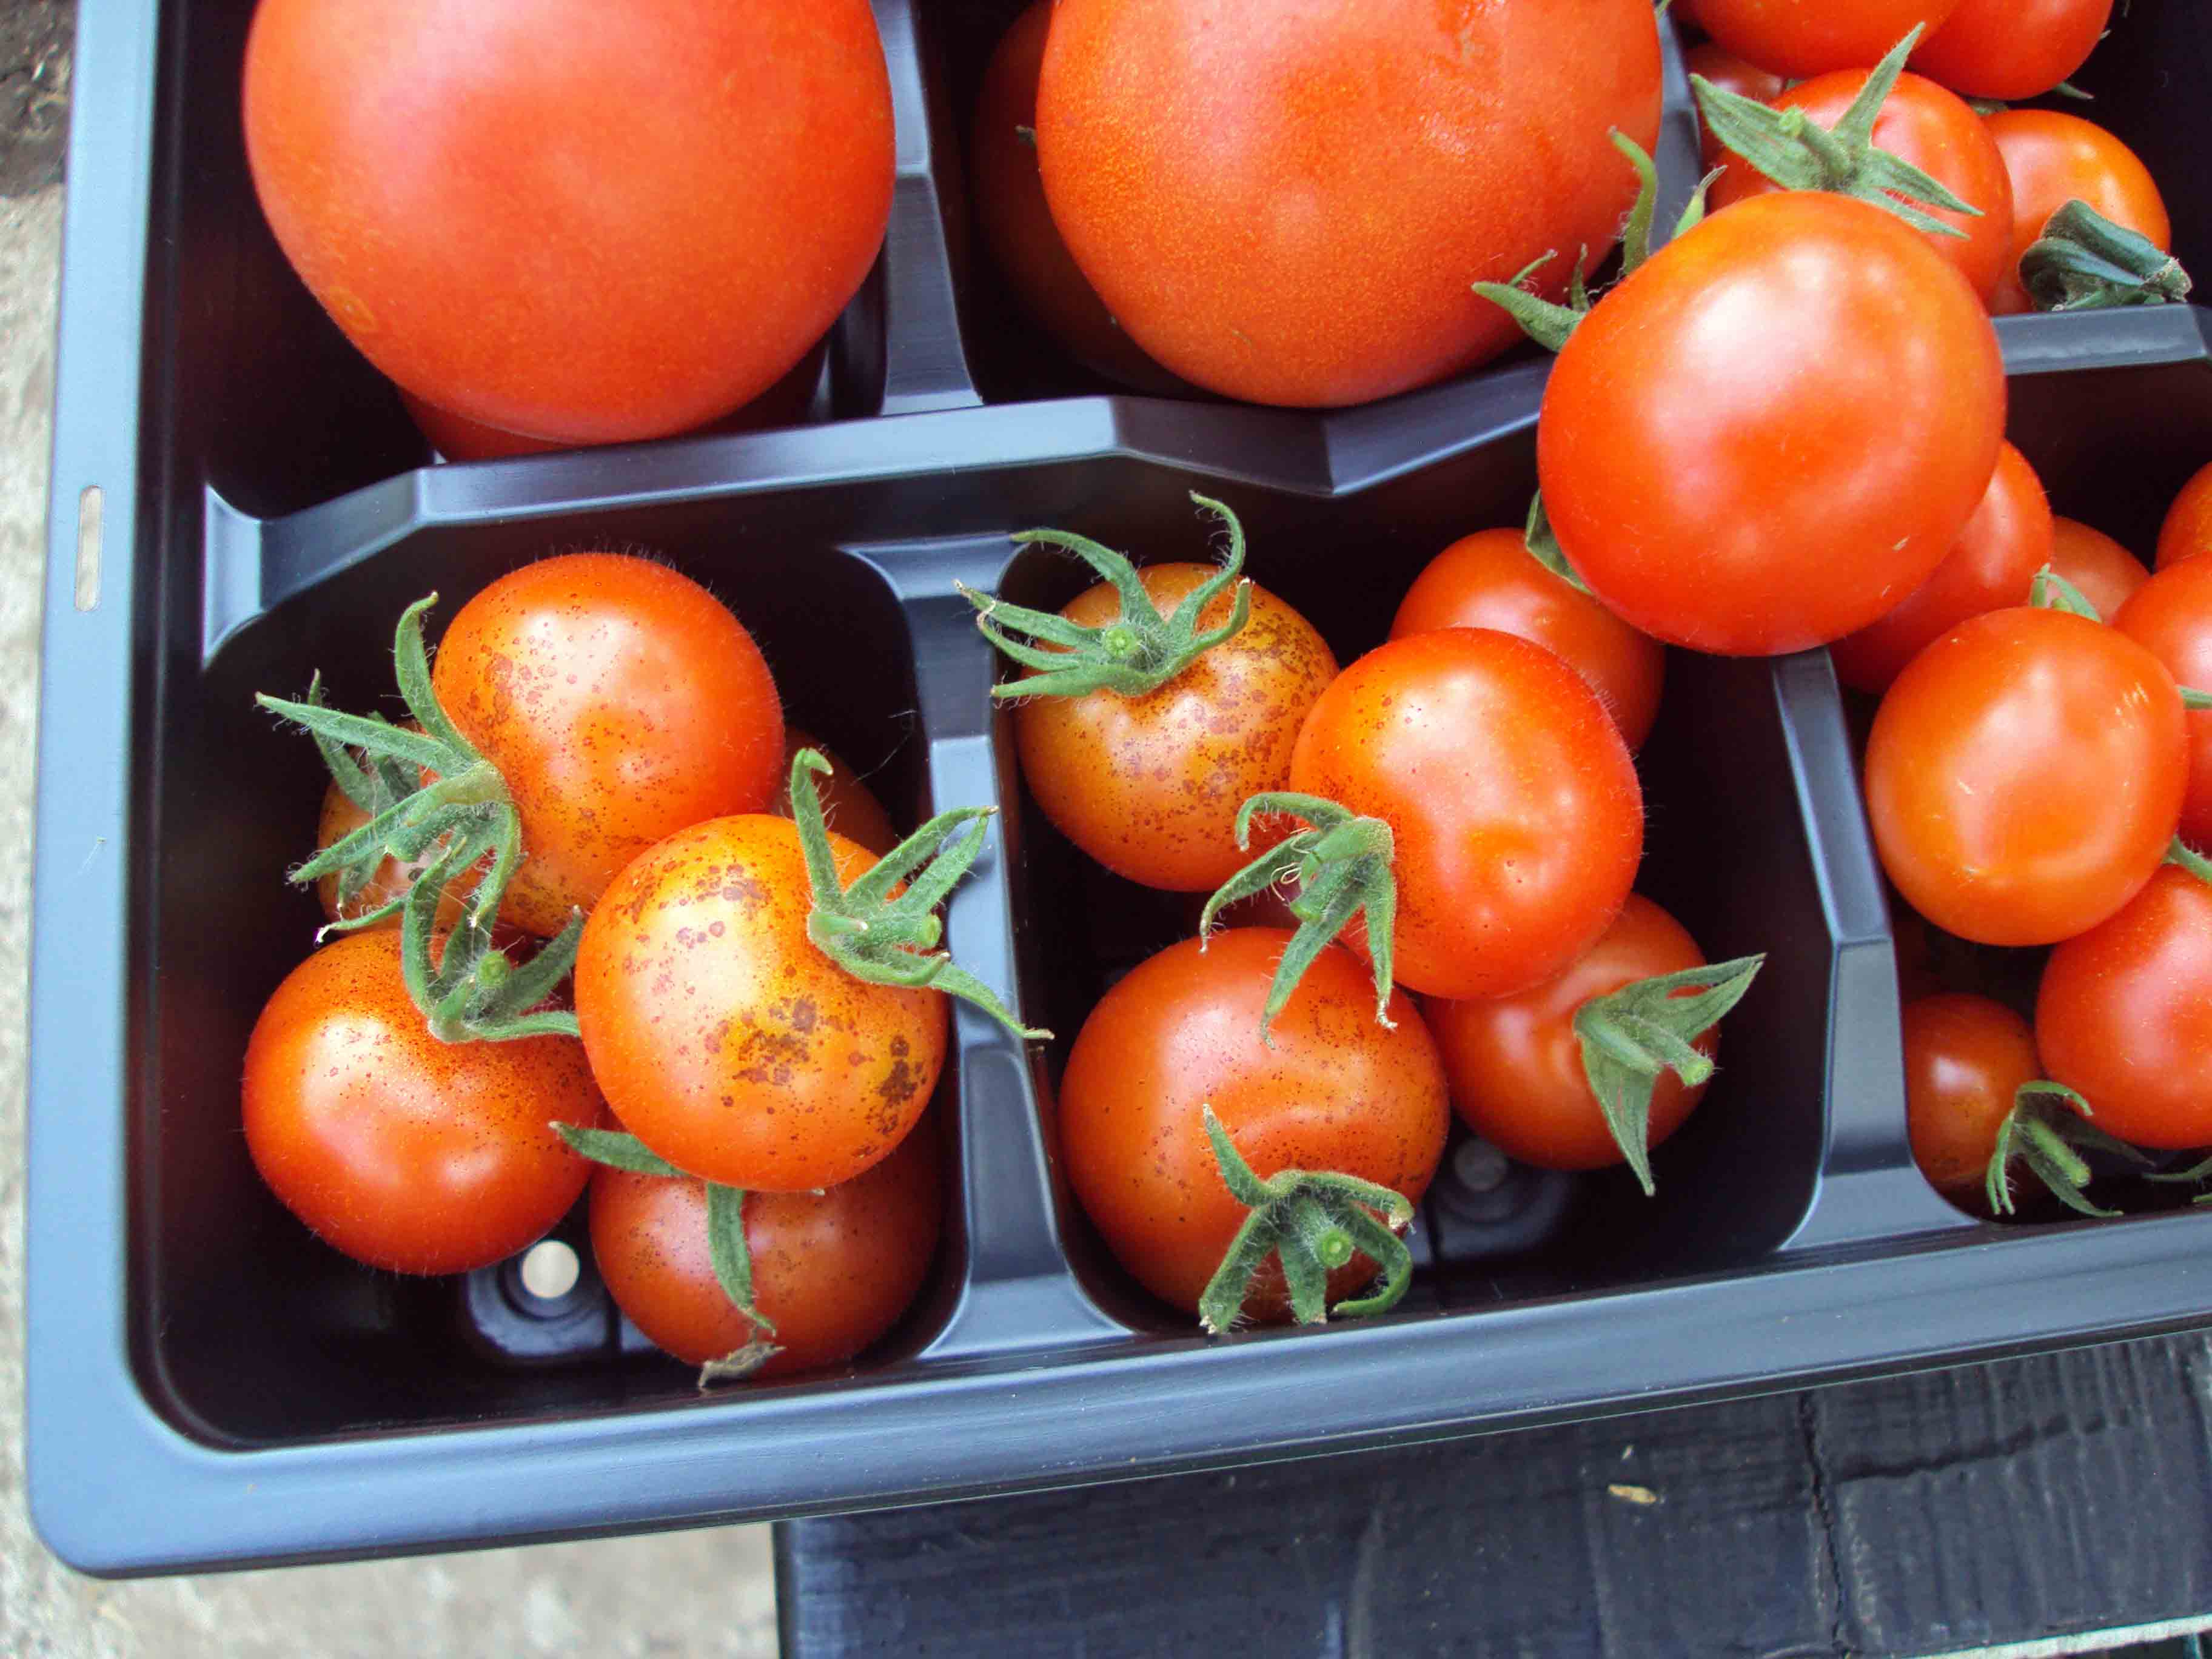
(2054, 158)
(2012, 49)
(2170, 616)
(1242, 1180)
(2102, 571)
(377, 883)
(1716, 64)
(1965, 1059)
(1802, 38)
(2187, 528)
(848, 805)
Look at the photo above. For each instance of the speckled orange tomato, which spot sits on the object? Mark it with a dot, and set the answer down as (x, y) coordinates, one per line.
(847, 804)
(1150, 785)
(2106, 573)
(1288, 202)
(1337, 1090)
(621, 701)
(832, 1271)
(405, 1152)
(724, 1039)
(2187, 530)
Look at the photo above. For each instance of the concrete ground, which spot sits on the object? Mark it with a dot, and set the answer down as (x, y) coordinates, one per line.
(689, 1594)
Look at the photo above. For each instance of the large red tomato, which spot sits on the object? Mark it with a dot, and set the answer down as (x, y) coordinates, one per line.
(1775, 429)
(2055, 158)
(569, 223)
(2170, 616)
(1288, 202)
(2187, 531)
(2012, 49)
(1801, 38)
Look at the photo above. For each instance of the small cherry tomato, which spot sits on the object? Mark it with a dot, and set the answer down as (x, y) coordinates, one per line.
(2055, 158)
(1802, 37)
(405, 1152)
(1992, 566)
(1490, 579)
(2025, 775)
(2170, 616)
(2106, 573)
(848, 803)
(2187, 531)
(1730, 74)
(1965, 1058)
(2012, 49)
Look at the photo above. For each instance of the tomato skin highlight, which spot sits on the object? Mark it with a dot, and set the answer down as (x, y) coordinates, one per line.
(2187, 530)
(2124, 1016)
(1752, 514)
(557, 240)
(1965, 1058)
(1489, 579)
(2025, 775)
(2055, 158)
(1512, 797)
(2106, 573)
(1802, 38)
(832, 1272)
(1288, 203)
(724, 1039)
(1338, 1090)
(2012, 49)
(621, 702)
(1992, 566)
(403, 1152)
(2170, 616)
(1514, 1064)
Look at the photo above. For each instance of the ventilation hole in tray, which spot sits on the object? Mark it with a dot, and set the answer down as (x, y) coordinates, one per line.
(89, 504)
(550, 1272)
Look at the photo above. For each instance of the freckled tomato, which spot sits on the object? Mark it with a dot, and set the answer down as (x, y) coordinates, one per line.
(2124, 1015)
(1992, 565)
(1338, 1091)
(2012, 49)
(847, 804)
(1490, 579)
(2106, 572)
(405, 1152)
(2187, 531)
(1730, 74)
(621, 701)
(832, 1271)
(1737, 512)
(2025, 775)
(2054, 159)
(1288, 203)
(1965, 1058)
(1511, 794)
(1149, 786)
(1800, 38)
(724, 1039)
(1936, 131)
(1516, 1065)
(2170, 616)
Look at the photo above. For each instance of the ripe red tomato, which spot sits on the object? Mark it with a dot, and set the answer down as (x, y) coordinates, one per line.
(1992, 565)
(2124, 1015)
(2106, 573)
(1802, 37)
(1730, 74)
(2170, 616)
(848, 805)
(2187, 531)
(1698, 488)
(1490, 579)
(1273, 223)
(1965, 1058)
(832, 1271)
(2012, 49)
(541, 227)
(724, 1039)
(1511, 795)
(1337, 1090)
(621, 701)
(2055, 158)
(405, 1152)
(2025, 775)
(1933, 130)
(1514, 1064)
(1007, 191)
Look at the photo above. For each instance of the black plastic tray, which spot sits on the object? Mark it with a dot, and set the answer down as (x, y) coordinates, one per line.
(209, 1386)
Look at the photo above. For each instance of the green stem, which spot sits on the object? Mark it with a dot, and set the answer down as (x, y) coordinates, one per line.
(2084, 262)
(2047, 1130)
(2051, 591)
(2181, 852)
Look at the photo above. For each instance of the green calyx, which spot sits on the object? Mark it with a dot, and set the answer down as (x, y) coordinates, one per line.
(1629, 1037)
(888, 940)
(2048, 1130)
(1342, 865)
(1137, 653)
(2182, 854)
(1798, 153)
(473, 992)
(2051, 591)
(2084, 262)
(1543, 545)
(1311, 1221)
(726, 1249)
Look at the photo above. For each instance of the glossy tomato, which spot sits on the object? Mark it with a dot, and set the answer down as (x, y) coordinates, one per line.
(554, 238)
(1965, 1058)
(2106, 573)
(1511, 794)
(1337, 1090)
(1992, 565)
(2124, 1015)
(2187, 531)
(2170, 616)
(1490, 579)
(405, 1152)
(1718, 64)
(1774, 431)
(2055, 158)
(1933, 130)
(847, 804)
(2025, 775)
(1289, 203)
(1514, 1064)
(724, 1039)
(832, 1271)
(2012, 49)
(1802, 37)
(621, 702)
